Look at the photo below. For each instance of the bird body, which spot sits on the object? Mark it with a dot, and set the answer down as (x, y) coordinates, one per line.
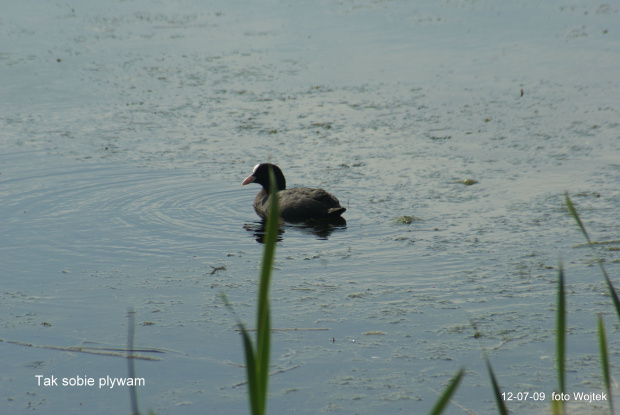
(297, 204)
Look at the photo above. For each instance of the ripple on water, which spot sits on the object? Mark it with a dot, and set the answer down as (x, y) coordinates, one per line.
(107, 212)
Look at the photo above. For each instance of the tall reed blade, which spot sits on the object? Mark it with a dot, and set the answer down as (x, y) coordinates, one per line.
(257, 357)
(131, 368)
(602, 341)
(263, 318)
(610, 286)
(573, 212)
(257, 354)
(444, 399)
(496, 390)
(250, 365)
(250, 361)
(561, 334)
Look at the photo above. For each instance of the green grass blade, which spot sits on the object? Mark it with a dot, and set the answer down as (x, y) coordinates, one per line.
(612, 290)
(250, 361)
(250, 365)
(575, 215)
(257, 357)
(610, 286)
(496, 390)
(444, 399)
(602, 341)
(131, 368)
(263, 318)
(561, 331)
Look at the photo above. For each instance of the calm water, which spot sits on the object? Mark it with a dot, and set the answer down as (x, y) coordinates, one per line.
(127, 128)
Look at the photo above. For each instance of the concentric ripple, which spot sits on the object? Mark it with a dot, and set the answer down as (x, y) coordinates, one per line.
(112, 213)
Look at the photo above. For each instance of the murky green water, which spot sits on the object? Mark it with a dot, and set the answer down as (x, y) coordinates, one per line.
(127, 128)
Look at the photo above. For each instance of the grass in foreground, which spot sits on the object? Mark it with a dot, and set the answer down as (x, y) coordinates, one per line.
(257, 353)
(602, 338)
(557, 406)
(257, 357)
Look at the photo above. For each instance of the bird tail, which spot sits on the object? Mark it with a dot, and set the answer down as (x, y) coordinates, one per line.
(335, 212)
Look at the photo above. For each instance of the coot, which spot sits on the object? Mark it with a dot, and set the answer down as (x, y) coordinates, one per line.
(298, 204)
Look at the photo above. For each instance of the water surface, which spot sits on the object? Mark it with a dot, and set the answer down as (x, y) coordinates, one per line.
(128, 127)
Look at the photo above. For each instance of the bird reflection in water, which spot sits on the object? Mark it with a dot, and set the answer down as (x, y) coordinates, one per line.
(321, 228)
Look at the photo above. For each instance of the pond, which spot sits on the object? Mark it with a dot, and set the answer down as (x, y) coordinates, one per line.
(449, 130)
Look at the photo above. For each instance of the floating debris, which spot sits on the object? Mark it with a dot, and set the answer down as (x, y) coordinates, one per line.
(407, 220)
(587, 194)
(216, 269)
(467, 182)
